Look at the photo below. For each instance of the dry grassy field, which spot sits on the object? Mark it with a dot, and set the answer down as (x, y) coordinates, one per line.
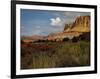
(55, 54)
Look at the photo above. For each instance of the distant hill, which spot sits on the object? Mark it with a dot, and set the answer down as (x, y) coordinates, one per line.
(32, 38)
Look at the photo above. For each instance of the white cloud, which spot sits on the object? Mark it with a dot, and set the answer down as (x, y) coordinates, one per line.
(56, 21)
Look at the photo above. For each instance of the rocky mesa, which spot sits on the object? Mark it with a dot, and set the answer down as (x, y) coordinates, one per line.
(80, 26)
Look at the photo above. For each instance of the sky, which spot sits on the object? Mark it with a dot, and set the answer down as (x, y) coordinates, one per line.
(44, 22)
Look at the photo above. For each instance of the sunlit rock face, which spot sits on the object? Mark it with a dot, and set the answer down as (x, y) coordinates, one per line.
(81, 24)
(75, 29)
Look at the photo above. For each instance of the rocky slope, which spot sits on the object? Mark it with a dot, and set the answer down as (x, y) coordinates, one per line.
(75, 29)
(81, 24)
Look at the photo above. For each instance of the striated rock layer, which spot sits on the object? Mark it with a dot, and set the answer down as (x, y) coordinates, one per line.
(75, 29)
(81, 24)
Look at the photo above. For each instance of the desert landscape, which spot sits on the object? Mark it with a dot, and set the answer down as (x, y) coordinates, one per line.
(67, 48)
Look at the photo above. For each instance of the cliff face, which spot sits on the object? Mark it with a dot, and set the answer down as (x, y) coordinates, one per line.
(75, 29)
(68, 27)
(81, 24)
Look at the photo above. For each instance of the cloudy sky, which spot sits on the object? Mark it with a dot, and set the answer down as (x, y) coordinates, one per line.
(43, 22)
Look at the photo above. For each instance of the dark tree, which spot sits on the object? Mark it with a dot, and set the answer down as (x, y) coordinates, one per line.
(85, 36)
(66, 39)
(75, 39)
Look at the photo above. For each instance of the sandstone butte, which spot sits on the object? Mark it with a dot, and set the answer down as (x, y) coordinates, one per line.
(79, 26)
